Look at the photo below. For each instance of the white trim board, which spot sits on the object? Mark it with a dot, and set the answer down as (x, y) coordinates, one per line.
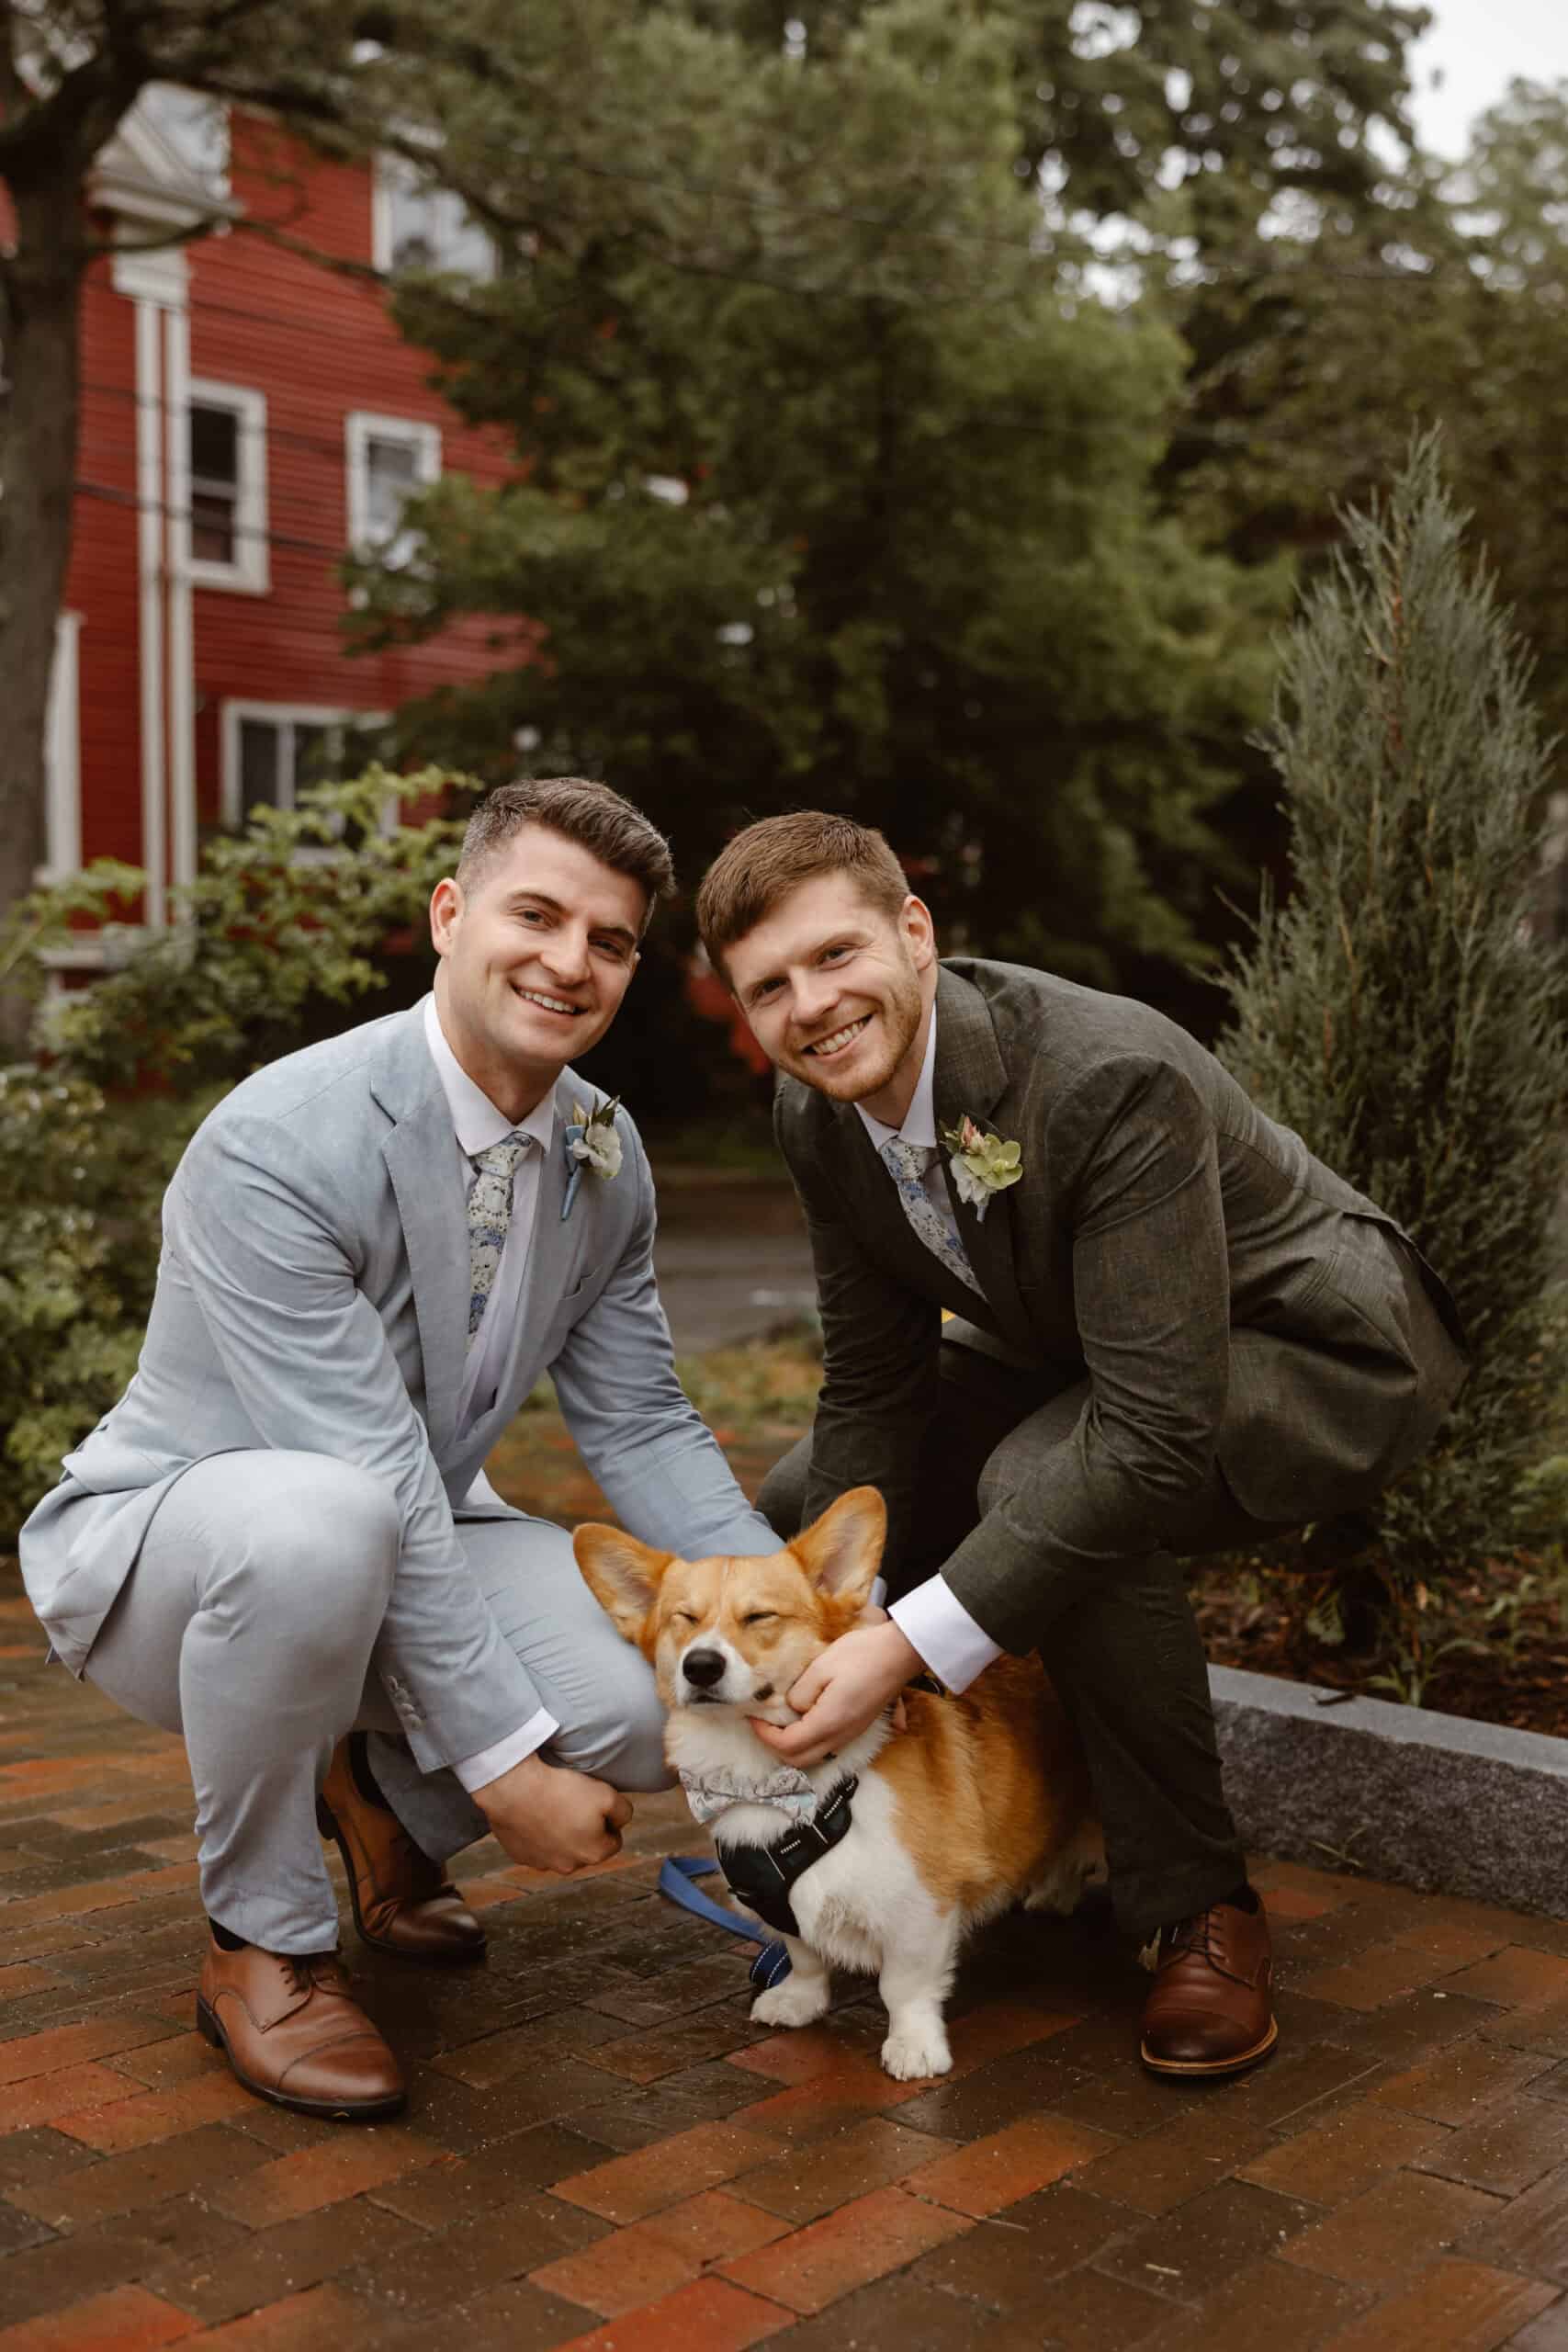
(63, 756)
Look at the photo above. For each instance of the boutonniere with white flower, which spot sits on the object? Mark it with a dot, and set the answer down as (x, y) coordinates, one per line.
(981, 1164)
(591, 1141)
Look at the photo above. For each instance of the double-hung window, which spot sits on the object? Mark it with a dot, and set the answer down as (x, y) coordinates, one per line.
(274, 751)
(228, 488)
(389, 456)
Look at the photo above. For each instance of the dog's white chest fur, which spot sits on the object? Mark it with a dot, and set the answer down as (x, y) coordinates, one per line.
(861, 1905)
(865, 1897)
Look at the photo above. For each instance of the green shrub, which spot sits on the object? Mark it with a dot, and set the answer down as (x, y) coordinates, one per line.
(1398, 1010)
(280, 917)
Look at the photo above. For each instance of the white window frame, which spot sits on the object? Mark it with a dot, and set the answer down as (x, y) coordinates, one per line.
(250, 574)
(63, 757)
(283, 713)
(361, 427)
(386, 173)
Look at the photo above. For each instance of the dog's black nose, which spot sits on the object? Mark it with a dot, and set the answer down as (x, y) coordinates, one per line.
(704, 1667)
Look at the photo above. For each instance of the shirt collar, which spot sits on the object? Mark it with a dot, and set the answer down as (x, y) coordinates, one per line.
(920, 1119)
(474, 1116)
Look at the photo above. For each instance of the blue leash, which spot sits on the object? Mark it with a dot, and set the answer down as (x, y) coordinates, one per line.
(677, 1877)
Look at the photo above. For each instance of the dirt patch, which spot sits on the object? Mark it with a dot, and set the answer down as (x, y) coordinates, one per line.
(757, 1399)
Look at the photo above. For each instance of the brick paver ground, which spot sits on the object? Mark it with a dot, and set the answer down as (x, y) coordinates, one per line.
(600, 2151)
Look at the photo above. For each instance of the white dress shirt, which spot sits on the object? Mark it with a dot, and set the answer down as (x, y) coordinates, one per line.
(932, 1619)
(476, 1124)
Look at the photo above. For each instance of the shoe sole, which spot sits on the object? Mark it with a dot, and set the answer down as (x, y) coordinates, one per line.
(458, 1956)
(1213, 2068)
(335, 2111)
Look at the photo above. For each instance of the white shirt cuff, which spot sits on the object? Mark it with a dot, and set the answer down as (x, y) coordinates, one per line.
(935, 1621)
(477, 1771)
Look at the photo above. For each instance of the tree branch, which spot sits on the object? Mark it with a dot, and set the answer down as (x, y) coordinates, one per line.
(56, 137)
(101, 248)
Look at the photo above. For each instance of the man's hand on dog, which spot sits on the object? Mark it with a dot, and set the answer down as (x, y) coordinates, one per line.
(553, 1820)
(843, 1692)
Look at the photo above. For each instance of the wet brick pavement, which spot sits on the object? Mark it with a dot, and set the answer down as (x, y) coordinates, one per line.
(599, 2150)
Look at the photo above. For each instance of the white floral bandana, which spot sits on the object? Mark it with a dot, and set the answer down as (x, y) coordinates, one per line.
(712, 1792)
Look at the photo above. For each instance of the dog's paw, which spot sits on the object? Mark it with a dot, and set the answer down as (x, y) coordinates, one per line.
(914, 2054)
(791, 2003)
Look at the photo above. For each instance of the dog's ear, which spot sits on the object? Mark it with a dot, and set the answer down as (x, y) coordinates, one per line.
(843, 1551)
(622, 1574)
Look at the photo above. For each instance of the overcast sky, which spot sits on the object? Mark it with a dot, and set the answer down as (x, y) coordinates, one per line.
(1477, 47)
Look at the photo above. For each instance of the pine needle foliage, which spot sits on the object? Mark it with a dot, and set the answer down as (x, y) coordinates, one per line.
(1397, 1009)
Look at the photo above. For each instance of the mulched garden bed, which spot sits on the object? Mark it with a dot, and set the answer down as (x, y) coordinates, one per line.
(1508, 1664)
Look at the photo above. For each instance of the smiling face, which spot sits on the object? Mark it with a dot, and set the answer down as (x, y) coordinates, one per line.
(838, 994)
(535, 958)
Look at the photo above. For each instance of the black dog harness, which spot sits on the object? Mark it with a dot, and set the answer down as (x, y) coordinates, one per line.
(763, 1876)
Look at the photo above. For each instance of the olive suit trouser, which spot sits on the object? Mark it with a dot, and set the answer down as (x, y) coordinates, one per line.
(1128, 1663)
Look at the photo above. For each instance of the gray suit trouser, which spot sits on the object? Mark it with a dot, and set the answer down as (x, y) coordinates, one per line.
(1127, 1663)
(247, 1626)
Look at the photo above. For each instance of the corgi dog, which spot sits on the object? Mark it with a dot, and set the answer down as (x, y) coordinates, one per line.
(980, 1802)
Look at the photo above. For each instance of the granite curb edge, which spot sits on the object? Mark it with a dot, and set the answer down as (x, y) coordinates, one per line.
(1428, 1800)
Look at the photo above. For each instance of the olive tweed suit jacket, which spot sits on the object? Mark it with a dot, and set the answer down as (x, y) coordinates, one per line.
(1228, 1298)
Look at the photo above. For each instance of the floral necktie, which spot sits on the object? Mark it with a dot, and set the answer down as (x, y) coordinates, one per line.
(490, 1213)
(906, 1163)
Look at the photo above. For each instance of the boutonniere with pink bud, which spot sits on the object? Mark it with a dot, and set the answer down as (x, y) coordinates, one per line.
(981, 1163)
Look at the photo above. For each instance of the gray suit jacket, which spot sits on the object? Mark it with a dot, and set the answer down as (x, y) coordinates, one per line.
(1228, 1298)
(313, 1295)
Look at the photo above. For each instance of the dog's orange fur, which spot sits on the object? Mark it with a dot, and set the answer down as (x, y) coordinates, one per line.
(987, 1787)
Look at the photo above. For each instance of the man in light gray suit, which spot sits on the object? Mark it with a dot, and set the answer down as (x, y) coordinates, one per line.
(1176, 1332)
(372, 1251)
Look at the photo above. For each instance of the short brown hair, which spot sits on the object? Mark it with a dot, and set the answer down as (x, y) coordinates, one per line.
(589, 814)
(757, 870)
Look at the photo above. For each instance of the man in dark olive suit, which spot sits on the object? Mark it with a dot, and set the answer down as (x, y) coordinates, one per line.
(1174, 1331)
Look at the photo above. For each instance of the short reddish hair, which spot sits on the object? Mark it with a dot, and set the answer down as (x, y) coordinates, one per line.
(759, 869)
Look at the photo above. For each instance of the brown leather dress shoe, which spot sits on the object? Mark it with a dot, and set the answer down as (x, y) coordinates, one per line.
(1210, 2011)
(294, 2034)
(401, 1903)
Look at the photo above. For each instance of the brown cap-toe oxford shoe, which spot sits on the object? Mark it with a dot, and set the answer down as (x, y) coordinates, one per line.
(1210, 2011)
(401, 1903)
(294, 2034)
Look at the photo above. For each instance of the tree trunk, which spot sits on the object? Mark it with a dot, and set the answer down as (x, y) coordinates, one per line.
(40, 315)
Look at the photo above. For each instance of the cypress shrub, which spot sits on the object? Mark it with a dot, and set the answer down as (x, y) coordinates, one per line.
(1398, 1010)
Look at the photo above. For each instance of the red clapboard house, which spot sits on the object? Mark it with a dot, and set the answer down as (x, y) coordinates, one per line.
(248, 414)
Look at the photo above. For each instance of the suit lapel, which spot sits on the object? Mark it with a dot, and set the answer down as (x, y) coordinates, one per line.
(870, 1186)
(971, 1079)
(970, 1076)
(419, 1153)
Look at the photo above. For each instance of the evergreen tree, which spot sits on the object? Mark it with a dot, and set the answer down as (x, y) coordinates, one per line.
(1396, 1010)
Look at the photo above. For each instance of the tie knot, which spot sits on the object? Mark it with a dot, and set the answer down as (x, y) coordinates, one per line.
(501, 1159)
(908, 1160)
